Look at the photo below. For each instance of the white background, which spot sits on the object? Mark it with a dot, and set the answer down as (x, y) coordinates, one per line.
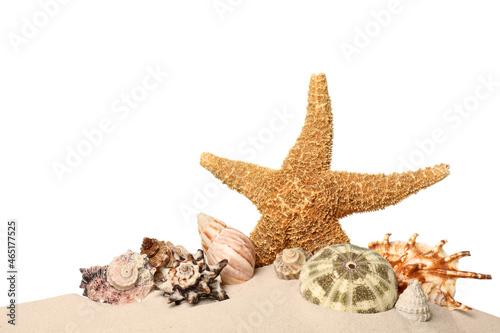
(229, 73)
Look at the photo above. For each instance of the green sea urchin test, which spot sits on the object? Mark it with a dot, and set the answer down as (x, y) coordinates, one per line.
(349, 278)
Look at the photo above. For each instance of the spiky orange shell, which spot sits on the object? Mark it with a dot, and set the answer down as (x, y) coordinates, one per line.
(431, 266)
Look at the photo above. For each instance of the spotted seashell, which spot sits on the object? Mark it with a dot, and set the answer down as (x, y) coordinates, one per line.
(222, 242)
(192, 279)
(127, 279)
(349, 278)
(412, 303)
(429, 265)
(289, 263)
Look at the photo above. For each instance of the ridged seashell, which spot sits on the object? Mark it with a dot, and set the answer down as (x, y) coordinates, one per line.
(349, 278)
(192, 279)
(429, 265)
(222, 242)
(412, 303)
(127, 279)
(161, 254)
(289, 263)
(158, 252)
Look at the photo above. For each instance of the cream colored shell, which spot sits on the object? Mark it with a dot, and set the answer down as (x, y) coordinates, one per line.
(412, 303)
(184, 276)
(128, 270)
(222, 242)
(289, 263)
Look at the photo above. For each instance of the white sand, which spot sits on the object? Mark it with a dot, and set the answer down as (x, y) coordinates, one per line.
(263, 304)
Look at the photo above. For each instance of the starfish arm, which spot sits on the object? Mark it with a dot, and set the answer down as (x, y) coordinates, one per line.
(246, 178)
(313, 148)
(355, 192)
(268, 240)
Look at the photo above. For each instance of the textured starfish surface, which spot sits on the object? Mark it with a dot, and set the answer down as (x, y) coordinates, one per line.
(302, 202)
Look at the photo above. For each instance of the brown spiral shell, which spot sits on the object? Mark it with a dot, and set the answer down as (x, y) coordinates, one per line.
(158, 252)
(162, 254)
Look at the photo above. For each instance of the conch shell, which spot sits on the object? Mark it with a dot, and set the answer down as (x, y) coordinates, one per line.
(161, 254)
(192, 279)
(127, 279)
(289, 263)
(222, 242)
(412, 303)
(429, 265)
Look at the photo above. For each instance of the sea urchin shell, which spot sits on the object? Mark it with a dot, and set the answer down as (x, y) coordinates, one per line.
(349, 278)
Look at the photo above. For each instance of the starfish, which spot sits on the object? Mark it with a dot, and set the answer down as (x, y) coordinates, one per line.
(302, 202)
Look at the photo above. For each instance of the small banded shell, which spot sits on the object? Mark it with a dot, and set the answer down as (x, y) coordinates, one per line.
(349, 278)
(222, 242)
(289, 263)
(412, 303)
